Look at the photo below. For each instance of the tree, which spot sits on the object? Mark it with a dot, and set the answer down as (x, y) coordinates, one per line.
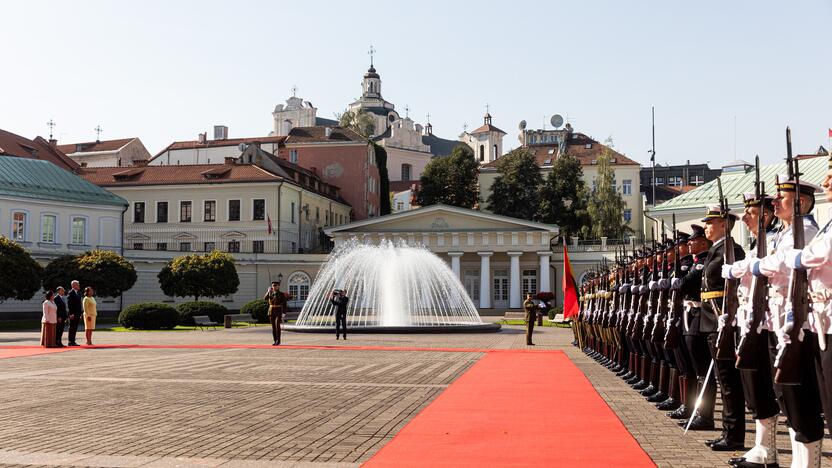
(606, 207)
(107, 272)
(384, 179)
(451, 180)
(209, 275)
(564, 198)
(359, 121)
(19, 273)
(516, 191)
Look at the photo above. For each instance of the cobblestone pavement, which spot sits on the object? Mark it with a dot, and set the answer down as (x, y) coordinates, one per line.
(270, 407)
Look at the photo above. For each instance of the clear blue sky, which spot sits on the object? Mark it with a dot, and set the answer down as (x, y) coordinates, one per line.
(165, 71)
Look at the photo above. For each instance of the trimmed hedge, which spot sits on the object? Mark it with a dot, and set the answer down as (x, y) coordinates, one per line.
(258, 308)
(187, 311)
(149, 316)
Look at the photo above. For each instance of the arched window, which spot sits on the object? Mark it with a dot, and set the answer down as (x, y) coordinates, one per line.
(299, 286)
(406, 170)
(496, 154)
(482, 153)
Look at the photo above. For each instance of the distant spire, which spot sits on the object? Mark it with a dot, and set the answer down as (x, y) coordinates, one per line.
(98, 131)
(406, 111)
(294, 91)
(51, 124)
(371, 52)
(428, 118)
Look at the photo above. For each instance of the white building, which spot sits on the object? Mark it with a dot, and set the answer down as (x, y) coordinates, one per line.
(486, 141)
(104, 153)
(205, 151)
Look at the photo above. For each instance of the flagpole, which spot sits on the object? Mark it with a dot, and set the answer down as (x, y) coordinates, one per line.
(653, 151)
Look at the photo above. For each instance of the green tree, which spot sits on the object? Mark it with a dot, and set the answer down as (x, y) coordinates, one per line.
(564, 198)
(606, 207)
(451, 180)
(384, 179)
(107, 272)
(516, 191)
(209, 275)
(19, 273)
(361, 122)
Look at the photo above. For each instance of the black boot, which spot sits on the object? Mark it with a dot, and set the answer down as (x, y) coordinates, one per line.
(661, 395)
(672, 402)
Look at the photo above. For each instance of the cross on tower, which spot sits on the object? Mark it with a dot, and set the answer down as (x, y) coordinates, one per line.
(428, 117)
(98, 131)
(487, 108)
(371, 52)
(51, 125)
(465, 127)
(406, 111)
(294, 91)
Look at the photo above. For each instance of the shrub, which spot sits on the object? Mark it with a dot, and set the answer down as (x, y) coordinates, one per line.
(209, 275)
(188, 310)
(107, 272)
(149, 316)
(555, 311)
(258, 308)
(19, 273)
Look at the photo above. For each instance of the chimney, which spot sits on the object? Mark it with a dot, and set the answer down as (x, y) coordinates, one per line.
(220, 132)
(328, 132)
(53, 142)
(230, 161)
(83, 164)
(140, 162)
(203, 137)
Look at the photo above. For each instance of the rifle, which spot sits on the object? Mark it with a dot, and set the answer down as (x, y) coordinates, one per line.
(787, 361)
(671, 336)
(661, 309)
(725, 339)
(749, 342)
(642, 310)
(652, 310)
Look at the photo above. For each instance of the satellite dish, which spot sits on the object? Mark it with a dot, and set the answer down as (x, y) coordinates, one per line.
(522, 125)
(556, 120)
(242, 147)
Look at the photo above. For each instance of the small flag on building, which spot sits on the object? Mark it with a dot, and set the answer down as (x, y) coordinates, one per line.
(269, 224)
(570, 288)
(830, 133)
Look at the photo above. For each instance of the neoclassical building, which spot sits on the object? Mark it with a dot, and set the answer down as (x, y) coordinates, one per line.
(497, 258)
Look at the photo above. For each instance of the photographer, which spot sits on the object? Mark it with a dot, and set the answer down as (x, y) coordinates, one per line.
(340, 300)
(277, 300)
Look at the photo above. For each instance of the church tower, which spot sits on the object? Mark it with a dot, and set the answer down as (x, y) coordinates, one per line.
(371, 86)
(486, 141)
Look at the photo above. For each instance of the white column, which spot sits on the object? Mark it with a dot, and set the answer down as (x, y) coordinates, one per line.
(545, 284)
(514, 300)
(485, 279)
(455, 262)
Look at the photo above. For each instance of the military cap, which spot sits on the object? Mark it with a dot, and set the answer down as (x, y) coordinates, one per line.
(682, 237)
(698, 231)
(751, 199)
(716, 212)
(784, 184)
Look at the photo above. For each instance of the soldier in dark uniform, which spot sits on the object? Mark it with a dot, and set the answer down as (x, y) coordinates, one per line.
(277, 300)
(531, 314)
(727, 375)
(340, 300)
(696, 346)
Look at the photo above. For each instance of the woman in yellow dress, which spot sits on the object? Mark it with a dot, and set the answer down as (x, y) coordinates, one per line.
(90, 312)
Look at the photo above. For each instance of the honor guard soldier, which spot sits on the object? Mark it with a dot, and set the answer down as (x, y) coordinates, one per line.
(799, 403)
(531, 314)
(696, 346)
(756, 374)
(277, 300)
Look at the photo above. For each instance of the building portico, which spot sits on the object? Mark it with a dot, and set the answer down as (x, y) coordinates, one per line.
(498, 259)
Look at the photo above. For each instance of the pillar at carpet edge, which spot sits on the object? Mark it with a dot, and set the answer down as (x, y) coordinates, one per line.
(545, 284)
(514, 300)
(455, 262)
(485, 279)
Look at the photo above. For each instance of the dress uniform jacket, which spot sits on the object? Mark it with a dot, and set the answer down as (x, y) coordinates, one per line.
(817, 256)
(712, 281)
(742, 270)
(691, 287)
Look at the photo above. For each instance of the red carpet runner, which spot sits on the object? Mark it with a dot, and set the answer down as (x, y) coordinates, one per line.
(515, 409)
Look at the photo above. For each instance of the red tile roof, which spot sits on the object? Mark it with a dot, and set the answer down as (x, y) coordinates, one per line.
(177, 145)
(487, 128)
(175, 175)
(318, 135)
(94, 146)
(402, 185)
(583, 148)
(16, 145)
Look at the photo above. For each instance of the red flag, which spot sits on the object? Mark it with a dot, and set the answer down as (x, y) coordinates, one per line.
(269, 224)
(570, 289)
(830, 133)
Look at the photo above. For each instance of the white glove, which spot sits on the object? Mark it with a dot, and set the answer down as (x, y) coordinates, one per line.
(791, 257)
(721, 320)
(676, 284)
(726, 272)
(664, 283)
(746, 328)
(623, 289)
(634, 289)
(783, 338)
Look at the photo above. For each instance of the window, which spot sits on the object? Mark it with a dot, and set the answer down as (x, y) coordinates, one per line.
(161, 246)
(697, 180)
(674, 181)
(19, 226)
(138, 212)
(47, 234)
(306, 210)
(495, 154)
(234, 246)
(79, 231)
(233, 210)
(293, 212)
(406, 168)
(185, 212)
(293, 156)
(184, 246)
(317, 214)
(482, 153)
(529, 282)
(659, 180)
(162, 212)
(628, 215)
(138, 246)
(258, 211)
(257, 246)
(627, 187)
(500, 285)
(399, 206)
(299, 285)
(209, 246)
(210, 212)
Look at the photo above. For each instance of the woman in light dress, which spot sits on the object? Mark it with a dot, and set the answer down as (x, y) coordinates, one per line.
(49, 322)
(90, 312)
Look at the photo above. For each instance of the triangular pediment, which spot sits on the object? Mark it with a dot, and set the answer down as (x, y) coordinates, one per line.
(137, 236)
(442, 218)
(233, 235)
(184, 236)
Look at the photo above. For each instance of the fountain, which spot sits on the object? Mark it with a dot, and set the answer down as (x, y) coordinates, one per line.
(393, 288)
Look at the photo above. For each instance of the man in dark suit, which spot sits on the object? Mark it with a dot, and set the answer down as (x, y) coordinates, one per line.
(60, 303)
(76, 309)
(717, 224)
(340, 300)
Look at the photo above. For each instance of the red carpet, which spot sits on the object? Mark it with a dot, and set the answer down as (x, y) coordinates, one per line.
(21, 351)
(515, 409)
(277, 348)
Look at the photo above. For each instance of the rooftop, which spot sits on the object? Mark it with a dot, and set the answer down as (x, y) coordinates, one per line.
(318, 135)
(95, 146)
(583, 148)
(38, 179)
(21, 147)
(177, 174)
(193, 144)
